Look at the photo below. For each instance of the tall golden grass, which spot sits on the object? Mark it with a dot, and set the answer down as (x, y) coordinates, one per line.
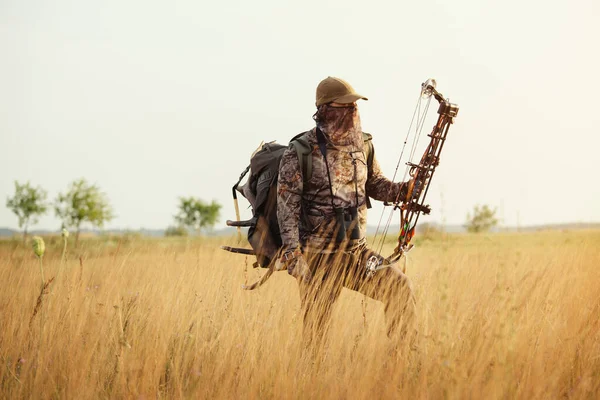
(500, 316)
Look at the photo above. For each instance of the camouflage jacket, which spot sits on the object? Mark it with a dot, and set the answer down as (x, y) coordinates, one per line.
(305, 213)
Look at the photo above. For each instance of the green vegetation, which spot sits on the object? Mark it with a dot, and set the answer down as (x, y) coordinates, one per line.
(176, 231)
(82, 203)
(196, 214)
(482, 219)
(28, 204)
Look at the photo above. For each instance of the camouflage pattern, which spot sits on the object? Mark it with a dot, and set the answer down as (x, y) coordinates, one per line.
(307, 219)
(305, 214)
(332, 272)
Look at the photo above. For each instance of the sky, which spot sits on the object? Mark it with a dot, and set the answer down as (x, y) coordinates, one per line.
(156, 100)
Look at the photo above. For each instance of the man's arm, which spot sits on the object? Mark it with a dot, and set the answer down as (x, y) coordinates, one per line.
(289, 196)
(382, 189)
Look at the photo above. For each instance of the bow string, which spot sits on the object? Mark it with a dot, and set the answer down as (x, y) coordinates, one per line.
(412, 203)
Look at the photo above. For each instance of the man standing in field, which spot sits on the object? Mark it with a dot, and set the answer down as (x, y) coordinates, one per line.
(322, 213)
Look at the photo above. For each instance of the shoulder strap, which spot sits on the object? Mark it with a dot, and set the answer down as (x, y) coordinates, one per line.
(304, 152)
(367, 138)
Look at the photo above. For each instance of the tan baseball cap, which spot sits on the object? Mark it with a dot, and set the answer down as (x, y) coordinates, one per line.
(338, 90)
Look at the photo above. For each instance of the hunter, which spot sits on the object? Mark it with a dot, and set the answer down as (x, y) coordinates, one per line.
(322, 216)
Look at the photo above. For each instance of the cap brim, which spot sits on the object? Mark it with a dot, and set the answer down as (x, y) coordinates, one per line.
(350, 98)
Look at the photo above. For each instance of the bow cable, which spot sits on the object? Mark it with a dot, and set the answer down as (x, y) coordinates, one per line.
(399, 159)
(420, 117)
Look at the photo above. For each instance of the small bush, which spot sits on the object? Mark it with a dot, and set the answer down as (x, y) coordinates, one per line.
(176, 231)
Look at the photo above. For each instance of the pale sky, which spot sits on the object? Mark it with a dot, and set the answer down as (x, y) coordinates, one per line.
(155, 100)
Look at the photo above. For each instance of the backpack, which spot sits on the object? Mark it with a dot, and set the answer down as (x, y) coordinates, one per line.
(261, 192)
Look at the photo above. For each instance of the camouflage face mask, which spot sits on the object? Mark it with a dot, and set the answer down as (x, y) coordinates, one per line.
(341, 125)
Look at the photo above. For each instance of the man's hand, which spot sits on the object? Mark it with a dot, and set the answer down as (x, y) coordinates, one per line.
(416, 184)
(296, 265)
(300, 270)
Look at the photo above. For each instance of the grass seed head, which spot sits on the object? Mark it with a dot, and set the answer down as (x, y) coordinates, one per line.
(65, 233)
(38, 246)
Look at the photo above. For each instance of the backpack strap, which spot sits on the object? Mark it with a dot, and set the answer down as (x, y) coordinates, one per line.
(304, 153)
(368, 140)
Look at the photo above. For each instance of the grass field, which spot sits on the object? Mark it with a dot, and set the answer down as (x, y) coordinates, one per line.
(500, 316)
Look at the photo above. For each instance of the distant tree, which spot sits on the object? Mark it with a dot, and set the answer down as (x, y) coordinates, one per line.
(82, 203)
(28, 204)
(482, 219)
(176, 231)
(196, 214)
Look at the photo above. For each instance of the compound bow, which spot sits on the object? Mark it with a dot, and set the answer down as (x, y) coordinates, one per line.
(413, 203)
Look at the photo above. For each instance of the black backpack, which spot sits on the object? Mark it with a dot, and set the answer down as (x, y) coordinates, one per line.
(261, 192)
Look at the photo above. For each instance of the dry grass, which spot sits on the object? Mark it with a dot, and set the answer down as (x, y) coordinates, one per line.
(500, 316)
